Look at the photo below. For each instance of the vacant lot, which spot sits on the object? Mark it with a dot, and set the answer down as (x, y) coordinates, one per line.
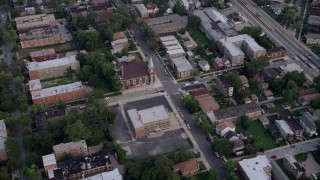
(59, 48)
(258, 131)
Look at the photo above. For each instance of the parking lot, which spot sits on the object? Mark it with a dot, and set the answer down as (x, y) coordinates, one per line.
(148, 103)
(119, 129)
(169, 142)
(65, 34)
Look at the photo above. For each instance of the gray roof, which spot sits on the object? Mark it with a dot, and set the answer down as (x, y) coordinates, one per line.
(52, 63)
(308, 120)
(182, 64)
(237, 110)
(314, 20)
(142, 8)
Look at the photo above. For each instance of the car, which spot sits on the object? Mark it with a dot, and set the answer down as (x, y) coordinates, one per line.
(196, 82)
(209, 137)
(273, 157)
(187, 84)
(178, 109)
(181, 115)
(106, 98)
(82, 106)
(216, 153)
(188, 126)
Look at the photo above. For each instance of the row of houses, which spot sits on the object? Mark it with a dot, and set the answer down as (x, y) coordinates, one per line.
(313, 24)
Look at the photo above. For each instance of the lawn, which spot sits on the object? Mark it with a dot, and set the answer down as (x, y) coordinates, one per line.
(301, 157)
(199, 37)
(257, 130)
(277, 106)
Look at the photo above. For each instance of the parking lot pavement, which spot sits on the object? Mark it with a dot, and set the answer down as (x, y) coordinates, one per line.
(169, 142)
(148, 103)
(311, 166)
(65, 34)
(119, 128)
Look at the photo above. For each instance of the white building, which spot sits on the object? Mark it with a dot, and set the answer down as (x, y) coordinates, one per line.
(224, 126)
(284, 129)
(111, 175)
(182, 67)
(204, 65)
(258, 168)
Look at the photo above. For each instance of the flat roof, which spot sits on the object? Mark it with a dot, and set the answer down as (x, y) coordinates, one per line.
(215, 15)
(57, 90)
(284, 126)
(174, 47)
(69, 145)
(142, 117)
(142, 8)
(182, 64)
(176, 51)
(170, 42)
(167, 38)
(42, 52)
(52, 63)
(111, 175)
(237, 110)
(34, 84)
(49, 159)
(254, 167)
(165, 23)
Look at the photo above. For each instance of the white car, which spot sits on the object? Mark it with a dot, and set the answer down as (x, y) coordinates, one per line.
(82, 106)
(181, 115)
(188, 126)
(106, 98)
(178, 109)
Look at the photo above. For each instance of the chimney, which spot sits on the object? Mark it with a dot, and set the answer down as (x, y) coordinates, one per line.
(122, 71)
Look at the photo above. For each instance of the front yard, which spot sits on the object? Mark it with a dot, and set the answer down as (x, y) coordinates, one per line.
(258, 131)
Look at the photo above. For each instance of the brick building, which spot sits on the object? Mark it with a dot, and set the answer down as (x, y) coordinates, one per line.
(187, 168)
(96, 2)
(37, 37)
(53, 68)
(276, 53)
(49, 163)
(166, 24)
(74, 149)
(35, 21)
(223, 86)
(43, 55)
(3, 138)
(292, 165)
(149, 120)
(66, 93)
(136, 74)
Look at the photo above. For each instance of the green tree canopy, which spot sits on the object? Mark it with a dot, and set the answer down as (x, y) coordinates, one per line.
(223, 147)
(179, 9)
(193, 22)
(256, 65)
(78, 131)
(191, 104)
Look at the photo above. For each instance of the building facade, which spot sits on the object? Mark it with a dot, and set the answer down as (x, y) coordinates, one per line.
(74, 149)
(43, 55)
(223, 86)
(276, 53)
(35, 21)
(37, 37)
(182, 67)
(3, 138)
(291, 165)
(66, 93)
(187, 168)
(166, 24)
(53, 68)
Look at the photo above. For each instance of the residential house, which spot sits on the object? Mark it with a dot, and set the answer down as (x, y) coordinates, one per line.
(182, 67)
(43, 55)
(120, 42)
(316, 114)
(273, 131)
(223, 86)
(224, 126)
(268, 94)
(101, 10)
(97, 2)
(73, 149)
(307, 122)
(218, 63)
(307, 95)
(262, 85)
(276, 53)
(313, 39)
(244, 81)
(238, 147)
(27, 11)
(294, 168)
(136, 74)
(66, 93)
(188, 41)
(126, 59)
(287, 116)
(204, 65)
(314, 23)
(166, 24)
(315, 8)
(205, 99)
(254, 98)
(233, 113)
(246, 100)
(41, 118)
(231, 136)
(264, 121)
(187, 168)
(143, 11)
(3, 138)
(152, 8)
(271, 73)
(194, 87)
(149, 120)
(255, 168)
(285, 130)
(244, 135)
(172, 46)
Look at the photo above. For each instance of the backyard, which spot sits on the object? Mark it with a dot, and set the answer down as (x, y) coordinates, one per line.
(257, 130)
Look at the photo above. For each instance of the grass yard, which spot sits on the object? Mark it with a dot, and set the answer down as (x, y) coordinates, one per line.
(199, 37)
(257, 130)
(277, 106)
(301, 157)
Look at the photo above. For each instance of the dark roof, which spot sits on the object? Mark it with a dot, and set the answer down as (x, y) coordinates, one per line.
(74, 166)
(245, 133)
(272, 72)
(224, 81)
(300, 168)
(237, 110)
(199, 92)
(230, 134)
(238, 144)
(271, 128)
(194, 87)
(135, 70)
(287, 116)
(307, 119)
(309, 91)
(276, 49)
(39, 118)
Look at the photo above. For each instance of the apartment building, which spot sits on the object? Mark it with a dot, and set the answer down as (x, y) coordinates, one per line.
(135, 74)
(49, 163)
(225, 126)
(3, 138)
(292, 165)
(167, 24)
(81, 167)
(182, 67)
(223, 86)
(35, 21)
(110, 175)
(255, 168)
(53, 68)
(66, 93)
(43, 55)
(149, 120)
(37, 37)
(313, 39)
(233, 113)
(172, 46)
(74, 149)
(237, 48)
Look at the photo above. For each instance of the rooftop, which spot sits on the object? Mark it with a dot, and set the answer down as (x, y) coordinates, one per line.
(34, 84)
(34, 21)
(182, 64)
(134, 70)
(313, 35)
(73, 166)
(237, 110)
(276, 49)
(308, 120)
(186, 166)
(314, 20)
(288, 117)
(150, 115)
(225, 124)
(284, 126)
(162, 24)
(43, 52)
(142, 8)
(167, 38)
(176, 51)
(254, 167)
(111, 175)
(32, 66)
(49, 159)
(57, 90)
(69, 145)
(294, 163)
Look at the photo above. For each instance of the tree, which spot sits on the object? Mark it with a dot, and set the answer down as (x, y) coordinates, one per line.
(276, 85)
(34, 158)
(191, 104)
(256, 65)
(200, 50)
(232, 176)
(298, 77)
(13, 153)
(212, 174)
(288, 14)
(193, 22)
(179, 9)
(78, 131)
(121, 154)
(147, 31)
(206, 127)
(229, 166)
(254, 32)
(316, 82)
(291, 91)
(315, 103)
(4, 173)
(32, 172)
(244, 122)
(223, 147)
(201, 117)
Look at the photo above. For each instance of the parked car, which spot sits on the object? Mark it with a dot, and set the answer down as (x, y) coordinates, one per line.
(188, 126)
(178, 109)
(82, 106)
(216, 153)
(273, 157)
(181, 115)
